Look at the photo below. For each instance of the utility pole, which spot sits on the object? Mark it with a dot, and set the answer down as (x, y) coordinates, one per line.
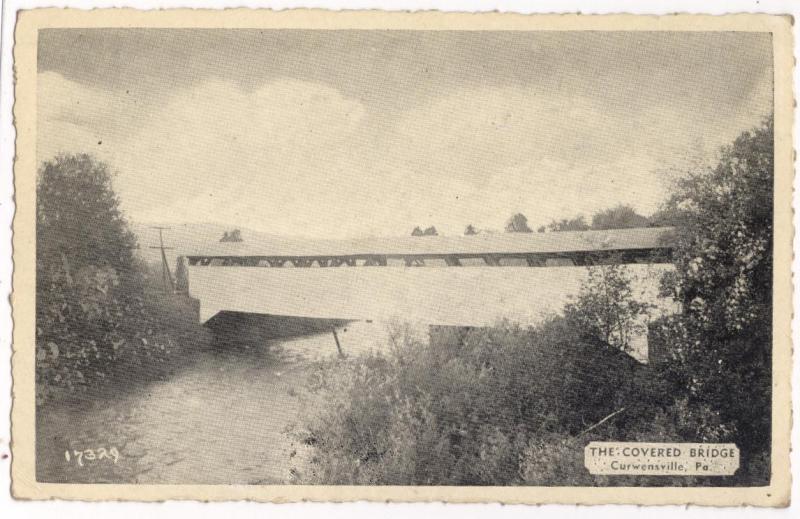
(166, 275)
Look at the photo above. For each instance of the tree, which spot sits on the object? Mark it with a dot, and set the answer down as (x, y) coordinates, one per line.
(720, 346)
(470, 230)
(619, 217)
(518, 223)
(88, 285)
(665, 217)
(232, 236)
(575, 224)
(606, 308)
(96, 319)
(78, 218)
(429, 231)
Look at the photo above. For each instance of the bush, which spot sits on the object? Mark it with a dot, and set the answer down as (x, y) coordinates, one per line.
(606, 308)
(460, 409)
(495, 406)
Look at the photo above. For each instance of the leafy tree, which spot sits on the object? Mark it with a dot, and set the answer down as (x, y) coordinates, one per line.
(606, 308)
(518, 223)
(78, 218)
(86, 276)
(93, 316)
(665, 217)
(470, 230)
(619, 217)
(429, 231)
(232, 236)
(575, 224)
(721, 345)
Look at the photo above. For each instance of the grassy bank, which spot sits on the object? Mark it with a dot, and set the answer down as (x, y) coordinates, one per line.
(494, 406)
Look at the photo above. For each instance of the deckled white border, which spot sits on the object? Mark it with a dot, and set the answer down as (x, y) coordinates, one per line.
(9, 508)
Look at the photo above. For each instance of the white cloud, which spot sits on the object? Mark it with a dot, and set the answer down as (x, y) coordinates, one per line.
(297, 157)
(72, 117)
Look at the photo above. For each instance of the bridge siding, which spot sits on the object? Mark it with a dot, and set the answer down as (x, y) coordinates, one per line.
(436, 296)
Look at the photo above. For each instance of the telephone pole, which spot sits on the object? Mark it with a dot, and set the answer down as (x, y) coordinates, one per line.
(166, 275)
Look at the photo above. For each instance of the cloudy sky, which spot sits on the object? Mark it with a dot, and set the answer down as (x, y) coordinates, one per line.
(353, 133)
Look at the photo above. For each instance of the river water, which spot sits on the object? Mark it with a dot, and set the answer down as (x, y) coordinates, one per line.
(227, 419)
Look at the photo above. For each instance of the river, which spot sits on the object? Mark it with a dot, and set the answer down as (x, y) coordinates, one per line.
(227, 419)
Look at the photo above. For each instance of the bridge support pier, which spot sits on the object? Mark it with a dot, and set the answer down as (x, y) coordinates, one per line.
(338, 346)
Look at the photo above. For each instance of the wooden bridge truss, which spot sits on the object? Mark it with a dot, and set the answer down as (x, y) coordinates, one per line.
(587, 258)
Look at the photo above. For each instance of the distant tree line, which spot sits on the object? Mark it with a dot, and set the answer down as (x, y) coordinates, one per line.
(620, 217)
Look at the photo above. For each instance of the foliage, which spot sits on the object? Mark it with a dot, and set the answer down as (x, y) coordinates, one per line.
(470, 230)
(518, 223)
(96, 319)
(78, 219)
(462, 408)
(555, 460)
(607, 309)
(492, 406)
(619, 217)
(232, 236)
(575, 224)
(429, 231)
(720, 353)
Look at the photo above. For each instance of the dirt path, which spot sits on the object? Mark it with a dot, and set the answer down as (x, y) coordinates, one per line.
(225, 421)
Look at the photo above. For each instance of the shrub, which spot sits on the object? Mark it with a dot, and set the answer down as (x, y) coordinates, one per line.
(607, 309)
(460, 409)
(493, 406)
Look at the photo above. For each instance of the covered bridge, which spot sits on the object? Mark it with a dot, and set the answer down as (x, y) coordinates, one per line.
(438, 280)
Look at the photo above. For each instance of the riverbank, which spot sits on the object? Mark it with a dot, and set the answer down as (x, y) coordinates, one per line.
(225, 419)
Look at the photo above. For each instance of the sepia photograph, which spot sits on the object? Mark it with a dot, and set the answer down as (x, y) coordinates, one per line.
(404, 257)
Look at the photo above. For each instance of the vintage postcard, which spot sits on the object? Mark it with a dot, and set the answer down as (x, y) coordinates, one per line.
(336, 256)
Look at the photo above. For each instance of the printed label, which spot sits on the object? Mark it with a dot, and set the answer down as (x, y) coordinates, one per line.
(661, 459)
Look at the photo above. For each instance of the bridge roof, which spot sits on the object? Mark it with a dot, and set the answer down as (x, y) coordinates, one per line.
(484, 243)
